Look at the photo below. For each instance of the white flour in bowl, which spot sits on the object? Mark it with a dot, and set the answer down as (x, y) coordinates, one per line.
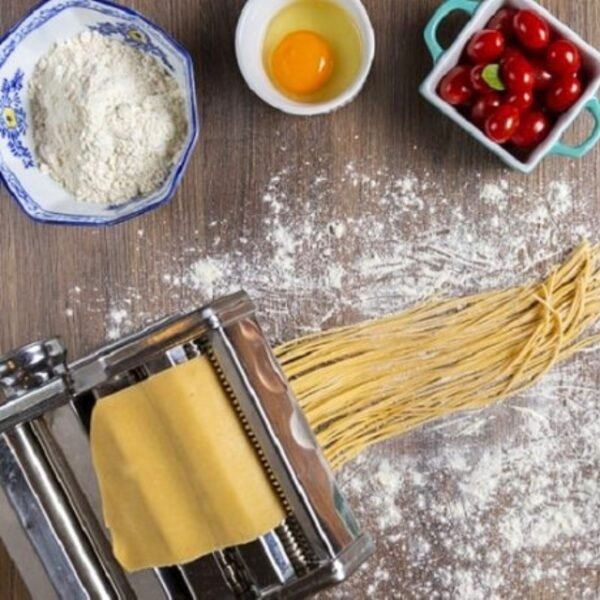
(109, 121)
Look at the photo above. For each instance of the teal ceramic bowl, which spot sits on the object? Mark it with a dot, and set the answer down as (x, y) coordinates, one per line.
(444, 60)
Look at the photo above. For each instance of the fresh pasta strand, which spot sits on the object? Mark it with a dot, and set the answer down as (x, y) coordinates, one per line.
(366, 383)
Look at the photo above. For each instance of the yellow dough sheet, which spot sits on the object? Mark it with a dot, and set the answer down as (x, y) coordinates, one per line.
(178, 476)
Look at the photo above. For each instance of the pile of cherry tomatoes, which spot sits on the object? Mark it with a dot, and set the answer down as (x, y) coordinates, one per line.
(515, 79)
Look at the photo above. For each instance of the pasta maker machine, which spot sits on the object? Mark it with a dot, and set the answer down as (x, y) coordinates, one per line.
(49, 502)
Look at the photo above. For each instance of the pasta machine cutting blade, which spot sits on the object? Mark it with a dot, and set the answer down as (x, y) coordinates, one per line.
(49, 501)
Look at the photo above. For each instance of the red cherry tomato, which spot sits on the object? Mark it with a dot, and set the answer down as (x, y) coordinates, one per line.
(502, 124)
(517, 73)
(562, 58)
(503, 21)
(522, 101)
(563, 93)
(484, 106)
(510, 52)
(455, 88)
(534, 127)
(485, 47)
(477, 81)
(543, 77)
(531, 30)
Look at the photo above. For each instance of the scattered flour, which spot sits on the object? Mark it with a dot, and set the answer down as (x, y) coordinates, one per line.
(338, 229)
(119, 321)
(203, 274)
(335, 277)
(468, 516)
(493, 504)
(369, 266)
(492, 192)
(109, 120)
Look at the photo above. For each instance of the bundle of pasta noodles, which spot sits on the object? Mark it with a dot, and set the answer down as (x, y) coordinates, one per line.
(363, 384)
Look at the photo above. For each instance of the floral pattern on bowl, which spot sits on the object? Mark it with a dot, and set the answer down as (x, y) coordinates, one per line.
(13, 121)
(38, 194)
(134, 37)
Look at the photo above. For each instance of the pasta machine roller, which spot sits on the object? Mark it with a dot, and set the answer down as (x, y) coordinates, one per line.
(49, 501)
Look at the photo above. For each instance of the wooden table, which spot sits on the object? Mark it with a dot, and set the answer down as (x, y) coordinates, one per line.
(64, 280)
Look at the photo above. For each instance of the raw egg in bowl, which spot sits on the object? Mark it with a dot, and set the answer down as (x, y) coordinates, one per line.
(305, 57)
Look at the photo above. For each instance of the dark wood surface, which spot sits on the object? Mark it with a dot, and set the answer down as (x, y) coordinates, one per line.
(237, 153)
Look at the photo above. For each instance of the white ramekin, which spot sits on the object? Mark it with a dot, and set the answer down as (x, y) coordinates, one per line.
(249, 40)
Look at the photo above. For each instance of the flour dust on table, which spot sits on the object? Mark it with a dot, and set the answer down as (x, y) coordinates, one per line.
(460, 518)
(316, 268)
(454, 517)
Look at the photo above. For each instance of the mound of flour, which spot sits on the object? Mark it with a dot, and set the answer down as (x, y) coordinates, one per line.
(109, 121)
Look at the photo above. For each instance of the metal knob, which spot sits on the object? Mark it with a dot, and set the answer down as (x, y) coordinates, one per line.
(31, 367)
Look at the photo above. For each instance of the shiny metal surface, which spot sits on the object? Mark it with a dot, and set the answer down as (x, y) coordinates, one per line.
(33, 404)
(39, 485)
(32, 382)
(318, 545)
(32, 366)
(298, 467)
(70, 556)
(169, 335)
(23, 528)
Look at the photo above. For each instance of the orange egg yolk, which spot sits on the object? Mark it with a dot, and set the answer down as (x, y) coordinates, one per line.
(303, 63)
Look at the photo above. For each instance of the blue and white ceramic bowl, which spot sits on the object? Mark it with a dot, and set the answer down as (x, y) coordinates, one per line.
(52, 21)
